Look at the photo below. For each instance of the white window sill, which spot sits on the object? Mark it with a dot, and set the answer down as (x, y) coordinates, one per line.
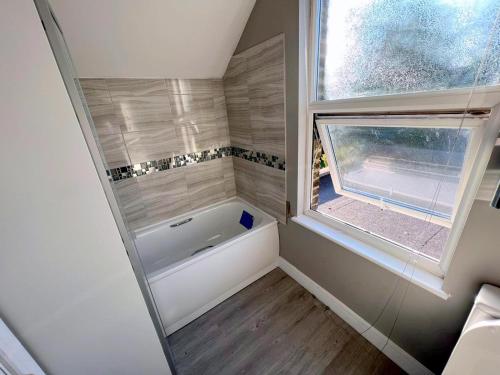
(417, 276)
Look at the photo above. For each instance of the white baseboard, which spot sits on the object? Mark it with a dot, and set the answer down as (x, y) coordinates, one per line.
(188, 319)
(378, 339)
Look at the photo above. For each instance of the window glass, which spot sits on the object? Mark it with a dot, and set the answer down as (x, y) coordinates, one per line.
(390, 181)
(411, 167)
(378, 47)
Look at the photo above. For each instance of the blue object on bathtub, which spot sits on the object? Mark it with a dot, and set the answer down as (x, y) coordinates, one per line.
(246, 220)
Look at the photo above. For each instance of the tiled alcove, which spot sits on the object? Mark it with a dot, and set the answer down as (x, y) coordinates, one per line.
(172, 145)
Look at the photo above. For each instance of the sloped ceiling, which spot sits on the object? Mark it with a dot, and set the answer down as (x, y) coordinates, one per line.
(152, 38)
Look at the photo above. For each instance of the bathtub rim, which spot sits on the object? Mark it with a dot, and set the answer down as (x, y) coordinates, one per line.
(139, 232)
(181, 264)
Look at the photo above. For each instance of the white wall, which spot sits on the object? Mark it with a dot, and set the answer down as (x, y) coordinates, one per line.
(152, 38)
(66, 286)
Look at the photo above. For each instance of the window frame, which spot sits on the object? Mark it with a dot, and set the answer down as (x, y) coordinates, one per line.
(475, 125)
(484, 98)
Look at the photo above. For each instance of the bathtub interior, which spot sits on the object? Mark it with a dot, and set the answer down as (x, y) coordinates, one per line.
(167, 244)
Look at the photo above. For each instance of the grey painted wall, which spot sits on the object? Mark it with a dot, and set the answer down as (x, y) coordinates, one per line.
(428, 326)
(67, 288)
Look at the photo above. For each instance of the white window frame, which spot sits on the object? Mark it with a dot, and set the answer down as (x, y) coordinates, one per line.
(455, 100)
(475, 125)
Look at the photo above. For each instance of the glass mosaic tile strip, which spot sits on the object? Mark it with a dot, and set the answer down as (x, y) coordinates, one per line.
(178, 161)
(272, 161)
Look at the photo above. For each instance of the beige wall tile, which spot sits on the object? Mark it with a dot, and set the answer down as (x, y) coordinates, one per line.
(236, 67)
(151, 144)
(131, 202)
(202, 136)
(229, 183)
(270, 52)
(191, 86)
(115, 152)
(271, 191)
(192, 109)
(220, 108)
(245, 178)
(267, 115)
(217, 87)
(238, 115)
(100, 106)
(255, 98)
(95, 91)
(105, 119)
(164, 194)
(205, 183)
(273, 74)
(122, 87)
(254, 89)
(143, 112)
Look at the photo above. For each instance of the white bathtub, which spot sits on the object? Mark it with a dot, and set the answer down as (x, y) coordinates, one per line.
(195, 261)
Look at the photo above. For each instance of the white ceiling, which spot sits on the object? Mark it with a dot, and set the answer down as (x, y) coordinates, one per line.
(152, 38)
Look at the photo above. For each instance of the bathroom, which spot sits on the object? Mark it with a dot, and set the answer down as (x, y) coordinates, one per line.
(250, 186)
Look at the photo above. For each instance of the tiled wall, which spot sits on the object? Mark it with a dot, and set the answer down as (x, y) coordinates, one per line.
(172, 146)
(165, 142)
(254, 85)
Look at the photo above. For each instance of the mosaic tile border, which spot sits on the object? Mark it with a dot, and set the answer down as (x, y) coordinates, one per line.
(148, 167)
(268, 160)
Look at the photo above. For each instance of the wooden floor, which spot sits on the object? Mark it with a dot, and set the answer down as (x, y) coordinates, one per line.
(274, 326)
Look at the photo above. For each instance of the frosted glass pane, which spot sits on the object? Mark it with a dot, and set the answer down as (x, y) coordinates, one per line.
(409, 167)
(379, 47)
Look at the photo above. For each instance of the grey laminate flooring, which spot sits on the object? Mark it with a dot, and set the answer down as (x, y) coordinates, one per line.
(274, 326)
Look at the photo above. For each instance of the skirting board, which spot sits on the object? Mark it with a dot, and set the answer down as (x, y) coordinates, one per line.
(378, 339)
(188, 319)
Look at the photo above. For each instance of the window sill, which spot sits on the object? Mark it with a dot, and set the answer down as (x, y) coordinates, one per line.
(417, 276)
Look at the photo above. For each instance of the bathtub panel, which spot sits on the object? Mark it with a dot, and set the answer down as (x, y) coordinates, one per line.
(184, 295)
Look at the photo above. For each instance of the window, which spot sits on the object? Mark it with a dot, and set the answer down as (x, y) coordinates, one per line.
(402, 117)
(377, 47)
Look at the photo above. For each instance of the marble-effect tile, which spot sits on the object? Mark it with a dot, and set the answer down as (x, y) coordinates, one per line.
(254, 85)
(205, 183)
(140, 120)
(164, 194)
(151, 144)
(115, 152)
(131, 203)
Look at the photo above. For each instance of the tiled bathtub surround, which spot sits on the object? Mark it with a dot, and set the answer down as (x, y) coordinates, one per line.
(139, 120)
(254, 86)
(139, 169)
(149, 199)
(272, 161)
(159, 125)
(175, 145)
